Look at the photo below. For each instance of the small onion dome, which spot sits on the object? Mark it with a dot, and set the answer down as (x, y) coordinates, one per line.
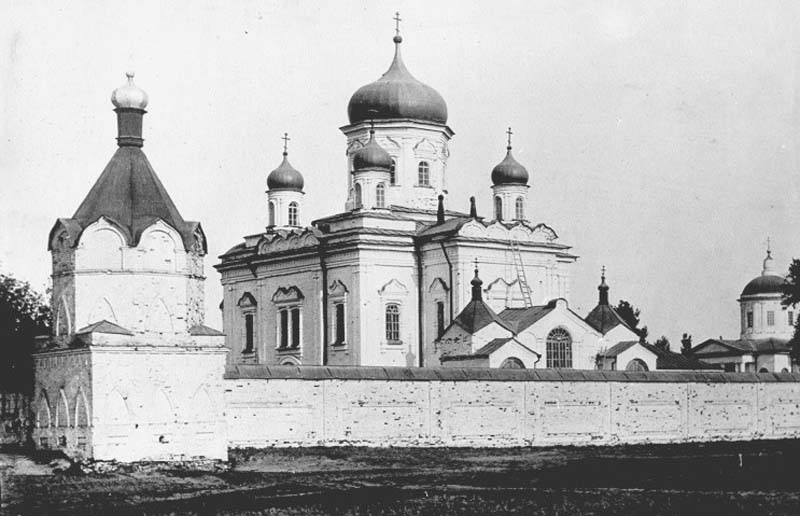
(770, 281)
(397, 94)
(285, 177)
(129, 95)
(372, 156)
(509, 171)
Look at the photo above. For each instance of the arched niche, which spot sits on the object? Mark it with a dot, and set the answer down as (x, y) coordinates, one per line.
(158, 246)
(101, 247)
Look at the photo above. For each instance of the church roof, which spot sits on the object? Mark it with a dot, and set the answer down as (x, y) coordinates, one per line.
(397, 95)
(476, 316)
(740, 347)
(519, 319)
(509, 171)
(619, 348)
(604, 318)
(766, 284)
(285, 177)
(201, 330)
(104, 327)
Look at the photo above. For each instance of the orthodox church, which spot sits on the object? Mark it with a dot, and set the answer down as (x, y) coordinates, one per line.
(387, 281)
(766, 328)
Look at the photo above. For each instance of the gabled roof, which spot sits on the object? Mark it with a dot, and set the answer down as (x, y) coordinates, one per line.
(740, 347)
(619, 348)
(104, 327)
(491, 347)
(670, 360)
(519, 319)
(604, 318)
(129, 194)
(477, 315)
(201, 330)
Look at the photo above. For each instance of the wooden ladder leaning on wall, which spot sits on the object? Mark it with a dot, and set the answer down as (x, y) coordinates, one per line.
(521, 277)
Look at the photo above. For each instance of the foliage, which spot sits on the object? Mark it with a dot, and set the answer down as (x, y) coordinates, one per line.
(791, 297)
(686, 345)
(23, 315)
(662, 343)
(630, 315)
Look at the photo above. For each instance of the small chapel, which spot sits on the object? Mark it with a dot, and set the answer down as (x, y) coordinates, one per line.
(386, 282)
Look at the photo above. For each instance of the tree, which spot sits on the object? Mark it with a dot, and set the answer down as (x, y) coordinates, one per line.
(23, 316)
(791, 297)
(662, 343)
(630, 315)
(686, 345)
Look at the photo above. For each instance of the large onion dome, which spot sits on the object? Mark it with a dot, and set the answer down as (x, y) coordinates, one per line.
(285, 177)
(397, 94)
(509, 171)
(770, 281)
(129, 95)
(372, 156)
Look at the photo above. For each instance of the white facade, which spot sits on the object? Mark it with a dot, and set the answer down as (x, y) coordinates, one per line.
(419, 151)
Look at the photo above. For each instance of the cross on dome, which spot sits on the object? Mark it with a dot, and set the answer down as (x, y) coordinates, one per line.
(397, 21)
(509, 133)
(285, 139)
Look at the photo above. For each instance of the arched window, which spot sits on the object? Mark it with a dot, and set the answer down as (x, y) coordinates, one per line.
(292, 213)
(498, 208)
(358, 196)
(559, 349)
(519, 209)
(424, 174)
(512, 363)
(380, 196)
(271, 213)
(392, 178)
(392, 322)
(439, 319)
(637, 364)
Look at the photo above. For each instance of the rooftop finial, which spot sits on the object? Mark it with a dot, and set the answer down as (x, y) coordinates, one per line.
(476, 284)
(769, 261)
(285, 139)
(509, 133)
(473, 210)
(769, 247)
(397, 37)
(603, 288)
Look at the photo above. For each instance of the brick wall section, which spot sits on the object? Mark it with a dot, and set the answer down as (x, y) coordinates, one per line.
(305, 406)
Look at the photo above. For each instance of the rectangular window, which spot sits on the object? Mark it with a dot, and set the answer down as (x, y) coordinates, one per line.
(770, 318)
(339, 308)
(439, 319)
(284, 337)
(248, 333)
(749, 319)
(392, 323)
(791, 318)
(295, 327)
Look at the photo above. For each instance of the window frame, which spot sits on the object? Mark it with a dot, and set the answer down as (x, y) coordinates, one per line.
(294, 213)
(498, 208)
(392, 327)
(770, 317)
(749, 319)
(519, 208)
(423, 173)
(380, 195)
(559, 351)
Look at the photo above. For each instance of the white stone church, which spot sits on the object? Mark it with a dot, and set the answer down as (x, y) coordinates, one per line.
(382, 281)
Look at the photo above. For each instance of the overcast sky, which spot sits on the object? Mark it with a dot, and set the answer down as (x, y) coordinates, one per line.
(662, 137)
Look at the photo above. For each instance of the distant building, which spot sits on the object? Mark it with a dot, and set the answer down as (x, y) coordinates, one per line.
(766, 327)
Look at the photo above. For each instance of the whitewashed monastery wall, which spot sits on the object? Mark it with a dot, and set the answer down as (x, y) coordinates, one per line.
(332, 406)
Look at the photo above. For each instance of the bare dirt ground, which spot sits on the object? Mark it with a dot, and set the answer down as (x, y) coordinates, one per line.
(720, 478)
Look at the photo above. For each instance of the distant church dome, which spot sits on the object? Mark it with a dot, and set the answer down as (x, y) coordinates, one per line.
(372, 156)
(397, 94)
(285, 177)
(129, 95)
(509, 171)
(770, 281)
